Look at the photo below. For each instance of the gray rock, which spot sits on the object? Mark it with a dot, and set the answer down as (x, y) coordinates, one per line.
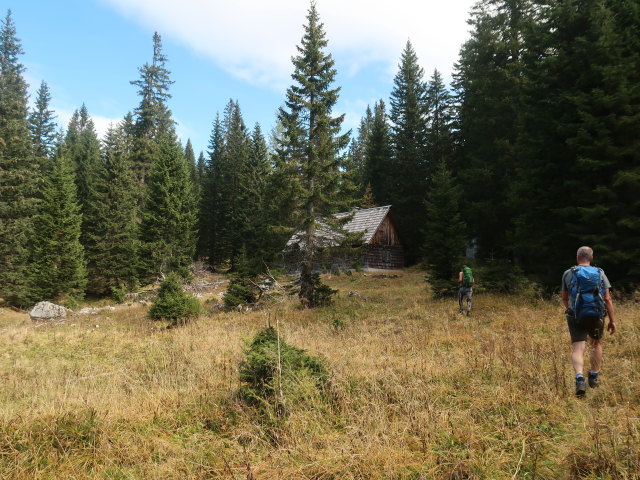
(45, 311)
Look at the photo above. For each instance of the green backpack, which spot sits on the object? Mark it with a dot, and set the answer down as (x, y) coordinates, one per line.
(467, 277)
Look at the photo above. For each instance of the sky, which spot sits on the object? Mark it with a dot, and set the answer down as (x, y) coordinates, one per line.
(88, 51)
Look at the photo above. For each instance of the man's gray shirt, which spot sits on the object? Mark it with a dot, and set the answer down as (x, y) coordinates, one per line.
(566, 279)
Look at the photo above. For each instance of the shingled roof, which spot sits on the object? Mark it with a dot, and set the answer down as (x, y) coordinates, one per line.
(365, 221)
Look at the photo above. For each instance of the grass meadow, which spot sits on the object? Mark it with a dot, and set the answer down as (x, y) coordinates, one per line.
(418, 392)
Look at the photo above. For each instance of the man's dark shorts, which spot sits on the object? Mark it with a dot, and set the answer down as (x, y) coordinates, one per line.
(592, 327)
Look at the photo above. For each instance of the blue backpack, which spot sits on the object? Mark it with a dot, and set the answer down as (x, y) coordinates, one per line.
(586, 292)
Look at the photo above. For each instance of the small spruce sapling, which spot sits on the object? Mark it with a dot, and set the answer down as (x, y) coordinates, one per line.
(173, 303)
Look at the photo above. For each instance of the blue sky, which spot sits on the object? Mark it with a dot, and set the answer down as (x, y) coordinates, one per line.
(88, 50)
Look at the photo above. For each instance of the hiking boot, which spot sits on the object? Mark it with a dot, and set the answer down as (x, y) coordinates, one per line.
(468, 312)
(581, 387)
(460, 311)
(593, 380)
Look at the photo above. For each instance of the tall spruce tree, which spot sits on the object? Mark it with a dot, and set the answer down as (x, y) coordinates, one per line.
(82, 148)
(57, 269)
(20, 176)
(152, 116)
(409, 141)
(379, 167)
(440, 117)
(209, 243)
(314, 142)
(114, 240)
(42, 125)
(580, 153)
(169, 223)
(488, 80)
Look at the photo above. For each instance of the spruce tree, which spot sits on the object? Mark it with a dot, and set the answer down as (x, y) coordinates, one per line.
(488, 79)
(209, 239)
(42, 125)
(379, 167)
(114, 240)
(82, 148)
(152, 116)
(445, 233)
(20, 176)
(57, 269)
(314, 142)
(409, 141)
(169, 223)
(440, 117)
(580, 153)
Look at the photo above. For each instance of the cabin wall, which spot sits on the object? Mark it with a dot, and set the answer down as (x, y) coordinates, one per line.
(388, 257)
(386, 234)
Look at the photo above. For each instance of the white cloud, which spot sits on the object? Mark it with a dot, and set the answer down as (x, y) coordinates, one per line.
(255, 39)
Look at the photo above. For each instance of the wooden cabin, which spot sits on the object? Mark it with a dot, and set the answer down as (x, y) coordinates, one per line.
(379, 233)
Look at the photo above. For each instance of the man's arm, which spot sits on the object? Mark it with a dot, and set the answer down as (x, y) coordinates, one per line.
(565, 298)
(608, 303)
(459, 278)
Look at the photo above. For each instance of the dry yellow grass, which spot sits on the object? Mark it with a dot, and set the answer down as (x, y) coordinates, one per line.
(418, 393)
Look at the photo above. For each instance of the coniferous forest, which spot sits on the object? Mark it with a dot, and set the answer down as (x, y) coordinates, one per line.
(532, 151)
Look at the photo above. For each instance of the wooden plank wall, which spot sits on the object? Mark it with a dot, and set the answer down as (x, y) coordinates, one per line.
(386, 234)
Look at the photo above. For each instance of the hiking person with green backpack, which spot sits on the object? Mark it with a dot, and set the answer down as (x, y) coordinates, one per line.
(586, 297)
(465, 288)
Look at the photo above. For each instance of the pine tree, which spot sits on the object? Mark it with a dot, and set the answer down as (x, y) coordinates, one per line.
(20, 176)
(42, 125)
(409, 141)
(57, 269)
(314, 141)
(169, 224)
(445, 233)
(115, 244)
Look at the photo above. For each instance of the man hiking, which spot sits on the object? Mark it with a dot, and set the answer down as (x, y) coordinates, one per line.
(465, 288)
(586, 297)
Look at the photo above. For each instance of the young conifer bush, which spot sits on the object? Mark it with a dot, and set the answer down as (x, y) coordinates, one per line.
(273, 371)
(173, 303)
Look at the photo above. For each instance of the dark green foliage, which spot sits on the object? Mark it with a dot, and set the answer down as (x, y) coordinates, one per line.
(242, 290)
(57, 268)
(168, 230)
(273, 370)
(440, 116)
(313, 143)
(82, 147)
(489, 80)
(114, 226)
(408, 175)
(501, 277)
(313, 292)
(379, 166)
(43, 126)
(445, 233)
(20, 173)
(152, 116)
(173, 303)
(578, 177)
